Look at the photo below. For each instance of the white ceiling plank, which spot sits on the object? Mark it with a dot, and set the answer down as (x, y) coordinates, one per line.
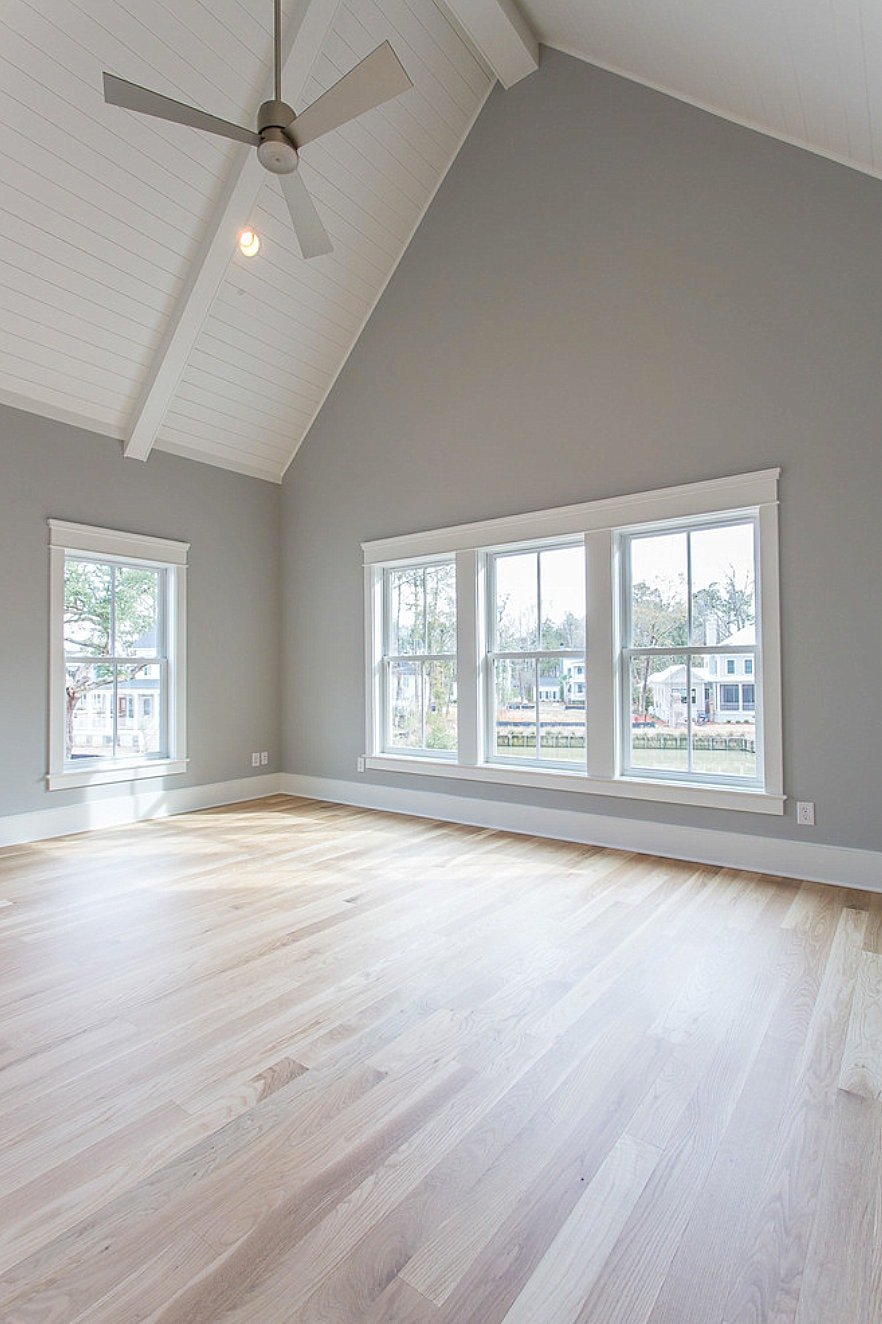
(211, 263)
(501, 34)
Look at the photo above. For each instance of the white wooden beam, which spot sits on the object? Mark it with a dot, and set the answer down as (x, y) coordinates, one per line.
(501, 34)
(304, 38)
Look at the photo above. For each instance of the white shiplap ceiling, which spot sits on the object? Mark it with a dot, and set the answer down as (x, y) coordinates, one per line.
(105, 212)
(106, 215)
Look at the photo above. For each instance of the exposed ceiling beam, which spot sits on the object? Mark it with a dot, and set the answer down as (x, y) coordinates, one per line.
(305, 36)
(501, 34)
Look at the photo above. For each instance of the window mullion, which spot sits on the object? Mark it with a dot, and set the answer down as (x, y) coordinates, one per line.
(603, 683)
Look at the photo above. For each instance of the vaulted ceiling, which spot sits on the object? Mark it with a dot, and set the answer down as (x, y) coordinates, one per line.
(125, 306)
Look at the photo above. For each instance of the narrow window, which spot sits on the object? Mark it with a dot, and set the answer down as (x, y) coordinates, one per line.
(419, 662)
(536, 700)
(688, 596)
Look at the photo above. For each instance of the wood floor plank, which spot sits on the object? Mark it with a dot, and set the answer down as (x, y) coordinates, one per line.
(299, 1062)
(862, 1057)
(567, 1271)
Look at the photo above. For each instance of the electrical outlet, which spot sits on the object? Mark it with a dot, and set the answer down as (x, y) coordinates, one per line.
(264, 758)
(805, 813)
(359, 763)
(255, 760)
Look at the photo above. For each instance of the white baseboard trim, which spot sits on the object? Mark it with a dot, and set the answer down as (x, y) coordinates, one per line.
(814, 862)
(137, 804)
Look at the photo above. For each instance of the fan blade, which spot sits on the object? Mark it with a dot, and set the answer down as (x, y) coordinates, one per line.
(311, 234)
(117, 92)
(378, 78)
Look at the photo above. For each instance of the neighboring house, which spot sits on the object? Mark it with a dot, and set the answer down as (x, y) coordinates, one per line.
(574, 681)
(137, 709)
(723, 690)
(549, 689)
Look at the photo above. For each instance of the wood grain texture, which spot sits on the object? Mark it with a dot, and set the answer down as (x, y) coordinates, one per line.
(862, 1061)
(292, 1061)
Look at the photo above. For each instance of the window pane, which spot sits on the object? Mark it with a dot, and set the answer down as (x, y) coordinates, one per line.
(405, 700)
(87, 608)
(723, 592)
(724, 725)
(139, 711)
(136, 611)
(88, 711)
(422, 705)
(516, 602)
(658, 727)
(658, 591)
(514, 703)
(441, 608)
(562, 589)
(439, 700)
(407, 618)
(562, 709)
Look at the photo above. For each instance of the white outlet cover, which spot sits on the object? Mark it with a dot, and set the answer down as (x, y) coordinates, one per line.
(264, 758)
(805, 813)
(255, 760)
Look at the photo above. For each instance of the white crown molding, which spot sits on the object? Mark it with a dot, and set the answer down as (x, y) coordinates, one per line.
(105, 811)
(817, 862)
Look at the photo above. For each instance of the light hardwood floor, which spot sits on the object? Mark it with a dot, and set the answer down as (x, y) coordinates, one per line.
(290, 1061)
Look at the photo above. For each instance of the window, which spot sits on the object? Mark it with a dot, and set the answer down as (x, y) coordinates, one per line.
(536, 631)
(117, 698)
(485, 642)
(420, 658)
(686, 592)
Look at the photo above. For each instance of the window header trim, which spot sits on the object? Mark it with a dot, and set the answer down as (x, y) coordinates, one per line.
(717, 496)
(94, 541)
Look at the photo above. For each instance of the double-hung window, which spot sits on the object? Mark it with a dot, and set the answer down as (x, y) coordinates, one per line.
(419, 658)
(625, 647)
(535, 673)
(117, 699)
(688, 593)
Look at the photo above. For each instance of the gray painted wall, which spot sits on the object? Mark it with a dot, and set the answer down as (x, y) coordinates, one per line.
(49, 469)
(612, 292)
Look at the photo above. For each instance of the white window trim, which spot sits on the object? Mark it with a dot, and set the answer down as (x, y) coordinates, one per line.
(600, 522)
(138, 549)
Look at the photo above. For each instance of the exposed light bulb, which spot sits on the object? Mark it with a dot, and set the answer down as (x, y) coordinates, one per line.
(249, 243)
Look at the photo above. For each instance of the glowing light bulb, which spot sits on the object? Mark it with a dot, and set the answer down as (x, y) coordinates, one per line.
(249, 243)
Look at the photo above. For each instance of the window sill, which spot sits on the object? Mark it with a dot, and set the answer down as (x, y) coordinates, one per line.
(685, 793)
(118, 772)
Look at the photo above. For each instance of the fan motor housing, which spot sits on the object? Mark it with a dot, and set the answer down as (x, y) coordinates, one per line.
(276, 153)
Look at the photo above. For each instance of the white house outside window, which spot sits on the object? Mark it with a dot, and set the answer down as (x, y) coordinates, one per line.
(689, 593)
(625, 647)
(536, 659)
(117, 700)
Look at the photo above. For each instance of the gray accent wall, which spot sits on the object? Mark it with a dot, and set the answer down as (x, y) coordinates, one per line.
(49, 469)
(612, 292)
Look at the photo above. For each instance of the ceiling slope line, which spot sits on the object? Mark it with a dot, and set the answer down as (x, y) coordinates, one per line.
(501, 35)
(381, 291)
(742, 121)
(246, 177)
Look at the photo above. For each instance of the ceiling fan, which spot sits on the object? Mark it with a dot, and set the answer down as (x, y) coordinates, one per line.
(280, 133)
